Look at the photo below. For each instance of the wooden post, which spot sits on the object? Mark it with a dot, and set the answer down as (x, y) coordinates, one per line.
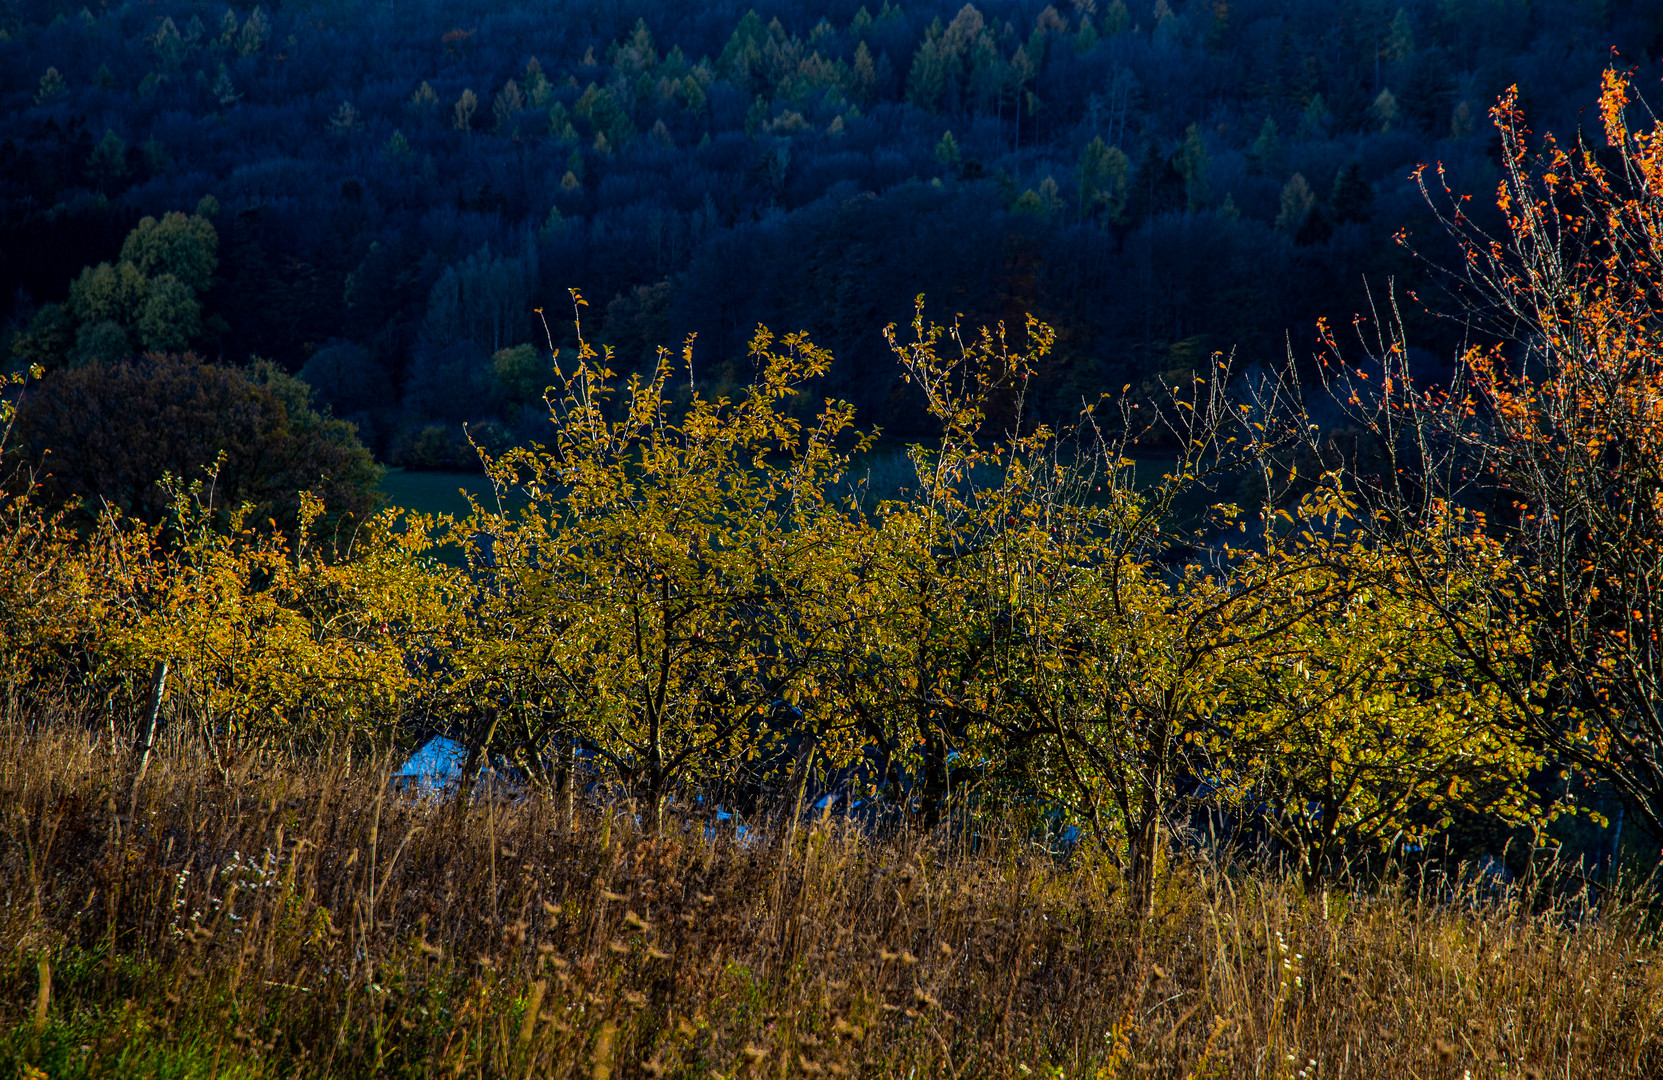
(43, 1001)
(568, 785)
(147, 733)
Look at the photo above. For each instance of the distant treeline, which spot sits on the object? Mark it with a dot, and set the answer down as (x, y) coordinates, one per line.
(395, 188)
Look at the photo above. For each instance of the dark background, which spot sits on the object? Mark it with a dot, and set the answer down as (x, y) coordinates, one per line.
(702, 168)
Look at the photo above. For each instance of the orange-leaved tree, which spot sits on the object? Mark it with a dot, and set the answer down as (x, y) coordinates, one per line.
(1546, 449)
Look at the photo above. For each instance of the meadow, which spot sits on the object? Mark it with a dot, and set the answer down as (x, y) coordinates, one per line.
(278, 918)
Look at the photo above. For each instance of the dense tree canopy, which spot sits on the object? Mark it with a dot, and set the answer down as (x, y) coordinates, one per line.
(400, 186)
(107, 433)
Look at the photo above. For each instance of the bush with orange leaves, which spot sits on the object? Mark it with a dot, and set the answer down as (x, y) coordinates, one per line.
(1556, 430)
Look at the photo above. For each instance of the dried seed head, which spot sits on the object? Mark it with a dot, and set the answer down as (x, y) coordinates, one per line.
(602, 1054)
(631, 918)
(944, 949)
(907, 958)
(754, 1054)
(617, 946)
(656, 953)
(705, 898)
(608, 894)
(636, 998)
(550, 910)
(885, 956)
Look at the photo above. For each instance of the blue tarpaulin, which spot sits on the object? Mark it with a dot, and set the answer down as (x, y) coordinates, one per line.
(438, 764)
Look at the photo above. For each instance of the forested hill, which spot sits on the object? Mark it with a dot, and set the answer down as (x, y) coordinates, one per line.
(393, 187)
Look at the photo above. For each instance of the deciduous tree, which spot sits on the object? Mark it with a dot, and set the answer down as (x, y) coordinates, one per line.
(1558, 428)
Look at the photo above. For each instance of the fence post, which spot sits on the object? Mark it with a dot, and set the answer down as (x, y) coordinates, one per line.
(147, 733)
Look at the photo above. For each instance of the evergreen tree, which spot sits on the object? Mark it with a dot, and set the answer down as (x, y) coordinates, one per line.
(1103, 172)
(1116, 19)
(225, 93)
(109, 159)
(1353, 196)
(947, 150)
(252, 38)
(462, 112)
(1385, 110)
(1265, 155)
(1295, 205)
(52, 87)
(1191, 162)
(1157, 187)
(1400, 38)
(927, 81)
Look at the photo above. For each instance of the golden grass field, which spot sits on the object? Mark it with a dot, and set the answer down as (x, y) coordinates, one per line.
(267, 918)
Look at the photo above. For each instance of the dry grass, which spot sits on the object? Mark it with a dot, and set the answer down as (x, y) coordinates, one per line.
(274, 920)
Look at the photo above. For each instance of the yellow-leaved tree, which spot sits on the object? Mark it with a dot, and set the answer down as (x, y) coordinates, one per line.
(658, 601)
(273, 643)
(256, 640)
(914, 664)
(1358, 724)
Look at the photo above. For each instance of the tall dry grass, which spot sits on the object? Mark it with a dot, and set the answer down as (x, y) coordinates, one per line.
(268, 918)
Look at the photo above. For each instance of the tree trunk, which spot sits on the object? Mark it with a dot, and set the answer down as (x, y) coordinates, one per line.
(932, 795)
(1145, 838)
(479, 754)
(566, 784)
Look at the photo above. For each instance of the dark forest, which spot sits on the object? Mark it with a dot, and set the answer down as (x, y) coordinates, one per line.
(379, 197)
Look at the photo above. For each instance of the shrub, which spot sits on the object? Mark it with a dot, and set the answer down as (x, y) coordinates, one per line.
(107, 434)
